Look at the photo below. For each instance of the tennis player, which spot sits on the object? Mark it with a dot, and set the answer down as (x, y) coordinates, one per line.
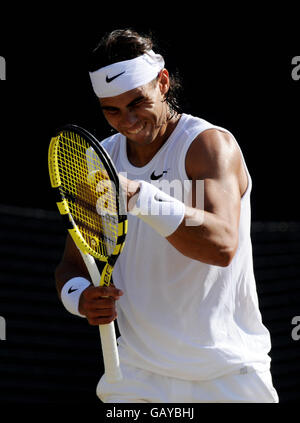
(185, 292)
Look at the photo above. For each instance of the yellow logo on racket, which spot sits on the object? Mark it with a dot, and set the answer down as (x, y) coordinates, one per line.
(94, 242)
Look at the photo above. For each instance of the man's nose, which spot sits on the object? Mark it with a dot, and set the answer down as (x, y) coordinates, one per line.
(129, 119)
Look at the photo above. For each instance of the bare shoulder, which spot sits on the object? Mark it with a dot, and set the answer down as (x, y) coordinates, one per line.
(212, 152)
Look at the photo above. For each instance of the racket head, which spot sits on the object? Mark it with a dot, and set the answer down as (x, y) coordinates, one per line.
(89, 194)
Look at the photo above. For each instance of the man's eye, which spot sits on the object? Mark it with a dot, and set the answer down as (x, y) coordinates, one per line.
(111, 111)
(137, 102)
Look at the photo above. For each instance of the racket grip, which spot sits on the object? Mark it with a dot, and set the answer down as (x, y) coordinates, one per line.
(92, 268)
(107, 332)
(110, 353)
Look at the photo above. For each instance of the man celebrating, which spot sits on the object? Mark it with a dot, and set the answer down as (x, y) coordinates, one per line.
(185, 293)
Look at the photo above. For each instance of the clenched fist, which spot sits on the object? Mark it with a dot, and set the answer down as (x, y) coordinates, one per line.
(98, 304)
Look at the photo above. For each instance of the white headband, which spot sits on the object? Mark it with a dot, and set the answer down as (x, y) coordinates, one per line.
(123, 76)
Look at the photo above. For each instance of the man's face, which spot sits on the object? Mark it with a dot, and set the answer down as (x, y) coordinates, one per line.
(139, 114)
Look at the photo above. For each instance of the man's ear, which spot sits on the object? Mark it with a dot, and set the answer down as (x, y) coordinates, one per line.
(164, 81)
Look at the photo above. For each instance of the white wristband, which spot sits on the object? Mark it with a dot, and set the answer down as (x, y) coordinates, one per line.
(158, 209)
(71, 292)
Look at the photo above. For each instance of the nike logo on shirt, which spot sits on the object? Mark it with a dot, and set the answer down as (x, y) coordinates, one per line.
(108, 80)
(72, 290)
(155, 177)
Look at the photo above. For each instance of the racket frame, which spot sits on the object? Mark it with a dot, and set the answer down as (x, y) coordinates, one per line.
(100, 275)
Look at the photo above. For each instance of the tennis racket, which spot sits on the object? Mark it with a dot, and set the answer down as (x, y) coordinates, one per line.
(90, 199)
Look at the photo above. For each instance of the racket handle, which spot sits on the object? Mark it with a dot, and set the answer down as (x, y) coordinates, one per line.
(110, 353)
(107, 332)
(92, 268)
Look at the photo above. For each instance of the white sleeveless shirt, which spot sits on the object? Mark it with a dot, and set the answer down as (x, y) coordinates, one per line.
(180, 317)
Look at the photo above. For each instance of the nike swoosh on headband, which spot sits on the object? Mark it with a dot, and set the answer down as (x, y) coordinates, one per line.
(108, 80)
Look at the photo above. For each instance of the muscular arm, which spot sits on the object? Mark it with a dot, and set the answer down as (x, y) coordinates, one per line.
(215, 158)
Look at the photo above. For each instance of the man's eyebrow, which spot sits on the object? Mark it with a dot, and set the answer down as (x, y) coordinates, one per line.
(136, 100)
(132, 103)
(108, 107)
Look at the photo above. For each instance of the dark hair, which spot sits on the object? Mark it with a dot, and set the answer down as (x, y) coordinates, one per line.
(126, 44)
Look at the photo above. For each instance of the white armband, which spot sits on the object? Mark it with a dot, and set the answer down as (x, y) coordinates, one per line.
(71, 292)
(158, 209)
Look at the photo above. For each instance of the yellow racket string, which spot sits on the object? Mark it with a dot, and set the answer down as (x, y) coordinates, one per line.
(88, 192)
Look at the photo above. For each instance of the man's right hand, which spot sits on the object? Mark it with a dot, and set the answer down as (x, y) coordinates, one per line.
(98, 304)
